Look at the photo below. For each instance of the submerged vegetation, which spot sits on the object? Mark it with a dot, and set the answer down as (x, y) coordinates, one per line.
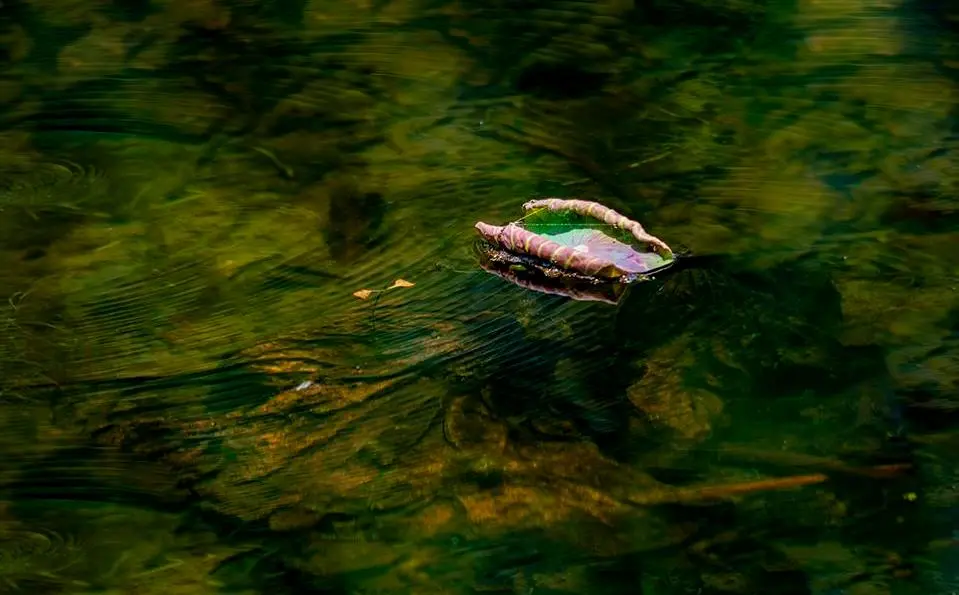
(193, 195)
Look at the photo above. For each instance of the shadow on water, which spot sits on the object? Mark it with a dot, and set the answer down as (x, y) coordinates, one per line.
(193, 398)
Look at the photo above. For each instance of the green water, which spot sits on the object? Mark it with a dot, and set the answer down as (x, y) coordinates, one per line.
(193, 401)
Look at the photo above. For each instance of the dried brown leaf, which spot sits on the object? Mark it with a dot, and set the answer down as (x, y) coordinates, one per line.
(363, 293)
(402, 283)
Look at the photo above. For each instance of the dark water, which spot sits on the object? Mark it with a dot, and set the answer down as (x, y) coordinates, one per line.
(193, 402)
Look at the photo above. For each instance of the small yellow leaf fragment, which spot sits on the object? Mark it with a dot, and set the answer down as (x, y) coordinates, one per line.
(363, 293)
(402, 283)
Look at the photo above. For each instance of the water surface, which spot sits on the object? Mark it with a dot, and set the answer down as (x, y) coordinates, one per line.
(193, 401)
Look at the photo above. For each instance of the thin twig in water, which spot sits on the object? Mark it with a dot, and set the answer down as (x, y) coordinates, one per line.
(364, 294)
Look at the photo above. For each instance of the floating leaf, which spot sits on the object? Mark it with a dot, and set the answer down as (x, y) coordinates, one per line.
(564, 234)
(401, 283)
(363, 293)
(574, 248)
